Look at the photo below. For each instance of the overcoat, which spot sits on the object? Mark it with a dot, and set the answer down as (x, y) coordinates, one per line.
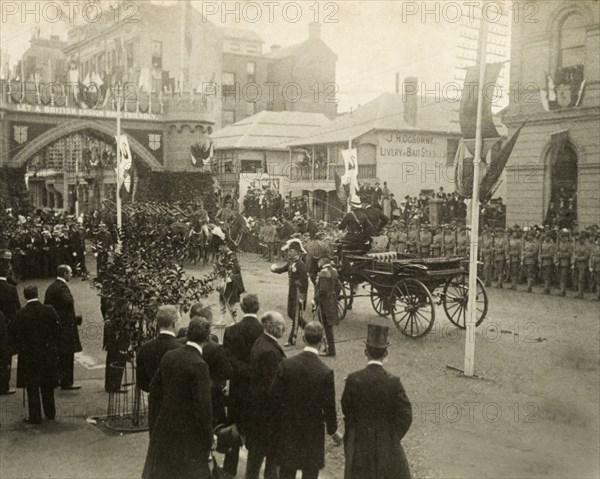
(377, 415)
(181, 434)
(238, 340)
(149, 357)
(59, 297)
(264, 360)
(37, 337)
(303, 395)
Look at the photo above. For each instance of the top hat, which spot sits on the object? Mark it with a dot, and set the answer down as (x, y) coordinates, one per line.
(377, 336)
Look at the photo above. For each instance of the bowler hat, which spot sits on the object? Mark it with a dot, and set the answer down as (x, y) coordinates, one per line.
(377, 336)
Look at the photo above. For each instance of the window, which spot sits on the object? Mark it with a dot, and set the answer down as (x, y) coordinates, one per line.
(157, 54)
(228, 118)
(572, 38)
(250, 166)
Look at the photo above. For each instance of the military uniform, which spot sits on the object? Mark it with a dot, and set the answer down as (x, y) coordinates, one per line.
(449, 245)
(546, 260)
(412, 243)
(463, 244)
(437, 244)
(595, 266)
(514, 257)
(562, 259)
(529, 257)
(487, 256)
(425, 241)
(500, 256)
(402, 241)
(327, 290)
(581, 258)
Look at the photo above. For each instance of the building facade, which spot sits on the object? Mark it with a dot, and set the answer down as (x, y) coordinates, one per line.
(407, 141)
(554, 169)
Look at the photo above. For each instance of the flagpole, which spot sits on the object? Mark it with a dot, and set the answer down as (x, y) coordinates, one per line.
(119, 219)
(349, 148)
(471, 318)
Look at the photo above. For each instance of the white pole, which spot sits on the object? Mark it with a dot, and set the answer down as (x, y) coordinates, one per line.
(352, 193)
(119, 219)
(471, 318)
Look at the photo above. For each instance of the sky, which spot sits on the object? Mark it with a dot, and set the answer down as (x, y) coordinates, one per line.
(373, 39)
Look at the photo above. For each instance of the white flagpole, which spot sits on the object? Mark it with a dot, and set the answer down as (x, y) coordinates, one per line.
(119, 218)
(471, 318)
(352, 193)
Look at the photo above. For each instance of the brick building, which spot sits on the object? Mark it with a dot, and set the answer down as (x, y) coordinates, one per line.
(556, 161)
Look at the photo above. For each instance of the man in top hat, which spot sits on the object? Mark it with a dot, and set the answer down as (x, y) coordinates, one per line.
(377, 415)
(500, 254)
(546, 260)
(358, 227)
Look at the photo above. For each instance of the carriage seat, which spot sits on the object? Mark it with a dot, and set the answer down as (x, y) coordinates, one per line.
(387, 257)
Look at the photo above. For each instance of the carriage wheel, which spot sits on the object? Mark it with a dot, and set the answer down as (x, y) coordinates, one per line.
(380, 302)
(456, 297)
(412, 308)
(342, 301)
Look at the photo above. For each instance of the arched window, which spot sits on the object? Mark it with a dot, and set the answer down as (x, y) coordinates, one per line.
(572, 36)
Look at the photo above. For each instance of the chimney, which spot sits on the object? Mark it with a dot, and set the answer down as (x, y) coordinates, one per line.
(410, 98)
(274, 48)
(314, 31)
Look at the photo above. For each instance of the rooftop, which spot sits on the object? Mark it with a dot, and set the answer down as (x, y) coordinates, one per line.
(240, 34)
(386, 112)
(271, 130)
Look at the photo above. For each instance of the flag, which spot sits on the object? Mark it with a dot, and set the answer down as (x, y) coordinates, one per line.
(351, 170)
(202, 151)
(340, 189)
(145, 81)
(187, 34)
(551, 88)
(468, 101)
(580, 94)
(497, 165)
(124, 168)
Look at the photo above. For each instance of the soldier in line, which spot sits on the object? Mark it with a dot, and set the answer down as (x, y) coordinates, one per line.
(448, 241)
(412, 243)
(546, 260)
(562, 259)
(425, 240)
(529, 257)
(581, 258)
(500, 253)
(487, 255)
(514, 255)
(594, 265)
(437, 242)
(463, 245)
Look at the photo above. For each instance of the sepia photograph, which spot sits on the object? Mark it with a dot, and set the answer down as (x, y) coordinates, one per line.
(299, 239)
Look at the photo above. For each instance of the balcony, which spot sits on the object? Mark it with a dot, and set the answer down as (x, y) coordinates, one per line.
(305, 173)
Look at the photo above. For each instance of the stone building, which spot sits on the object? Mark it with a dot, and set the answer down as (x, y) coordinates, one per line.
(554, 170)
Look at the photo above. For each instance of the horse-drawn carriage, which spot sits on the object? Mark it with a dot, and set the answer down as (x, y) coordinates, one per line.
(407, 288)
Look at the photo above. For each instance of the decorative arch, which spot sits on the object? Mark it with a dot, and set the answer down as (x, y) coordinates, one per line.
(555, 22)
(74, 126)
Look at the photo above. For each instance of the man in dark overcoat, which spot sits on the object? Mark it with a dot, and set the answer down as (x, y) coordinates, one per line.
(238, 340)
(265, 358)
(303, 398)
(9, 305)
(181, 432)
(377, 415)
(151, 352)
(60, 298)
(327, 290)
(37, 338)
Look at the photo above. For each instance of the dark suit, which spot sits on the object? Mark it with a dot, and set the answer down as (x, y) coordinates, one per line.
(181, 432)
(377, 414)
(238, 341)
(149, 356)
(37, 337)
(9, 305)
(59, 297)
(265, 358)
(303, 395)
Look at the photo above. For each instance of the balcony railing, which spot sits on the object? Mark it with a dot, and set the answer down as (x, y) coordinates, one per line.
(305, 173)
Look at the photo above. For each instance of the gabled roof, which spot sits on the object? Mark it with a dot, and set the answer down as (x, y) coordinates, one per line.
(240, 34)
(386, 112)
(268, 130)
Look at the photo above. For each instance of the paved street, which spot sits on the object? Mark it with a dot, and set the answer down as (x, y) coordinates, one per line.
(538, 398)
